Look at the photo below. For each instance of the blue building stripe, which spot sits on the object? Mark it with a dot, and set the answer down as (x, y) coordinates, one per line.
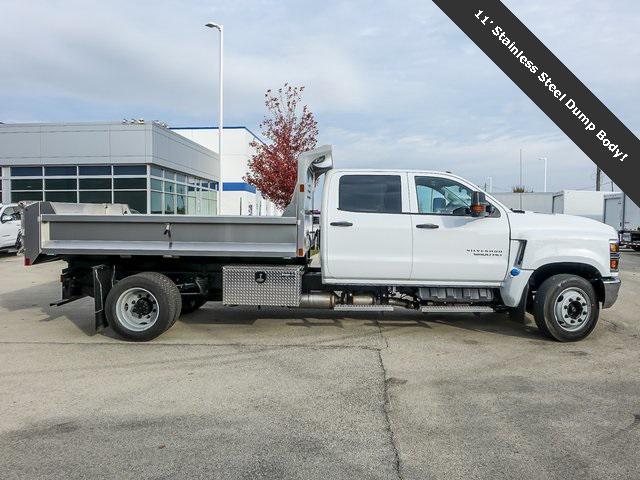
(238, 187)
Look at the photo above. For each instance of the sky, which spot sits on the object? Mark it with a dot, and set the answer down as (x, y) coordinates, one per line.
(393, 84)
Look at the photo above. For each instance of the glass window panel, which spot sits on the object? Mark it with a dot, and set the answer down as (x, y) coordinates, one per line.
(442, 196)
(191, 205)
(26, 171)
(59, 171)
(169, 203)
(129, 183)
(181, 189)
(60, 184)
(69, 197)
(156, 171)
(95, 184)
(95, 197)
(370, 193)
(181, 208)
(181, 178)
(156, 202)
(95, 170)
(169, 174)
(191, 188)
(169, 187)
(136, 200)
(31, 184)
(129, 170)
(18, 196)
(156, 184)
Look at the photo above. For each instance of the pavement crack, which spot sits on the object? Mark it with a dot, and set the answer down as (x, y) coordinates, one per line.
(386, 411)
(382, 336)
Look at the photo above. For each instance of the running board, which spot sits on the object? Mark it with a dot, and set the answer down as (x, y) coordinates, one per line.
(457, 309)
(363, 308)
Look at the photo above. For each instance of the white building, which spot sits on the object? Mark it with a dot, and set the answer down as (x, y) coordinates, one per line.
(237, 196)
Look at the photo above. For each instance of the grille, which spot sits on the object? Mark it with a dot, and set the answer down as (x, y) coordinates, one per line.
(267, 285)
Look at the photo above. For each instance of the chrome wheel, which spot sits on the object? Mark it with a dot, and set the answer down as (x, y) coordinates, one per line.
(572, 309)
(137, 309)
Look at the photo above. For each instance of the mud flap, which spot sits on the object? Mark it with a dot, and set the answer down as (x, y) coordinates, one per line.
(102, 283)
(518, 314)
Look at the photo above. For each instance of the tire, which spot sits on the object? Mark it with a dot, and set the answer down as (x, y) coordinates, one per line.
(176, 298)
(18, 246)
(566, 308)
(637, 249)
(142, 306)
(191, 303)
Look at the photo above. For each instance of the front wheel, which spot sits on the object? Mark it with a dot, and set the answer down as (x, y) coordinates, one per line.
(143, 306)
(566, 308)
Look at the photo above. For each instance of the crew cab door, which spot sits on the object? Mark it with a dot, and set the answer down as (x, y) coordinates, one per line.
(9, 226)
(449, 245)
(365, 236)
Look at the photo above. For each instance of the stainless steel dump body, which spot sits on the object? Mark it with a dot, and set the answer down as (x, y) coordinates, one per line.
(52, 229)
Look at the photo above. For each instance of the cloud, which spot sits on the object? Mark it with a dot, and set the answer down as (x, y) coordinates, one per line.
(393, 83)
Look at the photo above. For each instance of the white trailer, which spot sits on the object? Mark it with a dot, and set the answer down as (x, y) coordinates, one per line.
(582, 203)
(624, 215)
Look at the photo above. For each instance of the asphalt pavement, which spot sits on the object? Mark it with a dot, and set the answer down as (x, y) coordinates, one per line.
(275, 393)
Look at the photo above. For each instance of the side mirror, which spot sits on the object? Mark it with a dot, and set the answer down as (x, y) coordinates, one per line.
(6, 218)
(478, 205)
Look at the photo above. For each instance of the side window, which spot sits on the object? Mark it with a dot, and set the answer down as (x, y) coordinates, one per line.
(442, 196)
(370, 193)
(13, 212)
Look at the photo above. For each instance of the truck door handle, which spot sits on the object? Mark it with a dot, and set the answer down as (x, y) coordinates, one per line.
(429, 226)
(341, 224)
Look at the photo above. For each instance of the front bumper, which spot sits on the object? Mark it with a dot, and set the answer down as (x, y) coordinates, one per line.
(611, 289)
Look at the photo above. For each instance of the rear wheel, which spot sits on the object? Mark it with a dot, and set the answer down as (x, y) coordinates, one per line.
(566, 308)
(143, 306)
(637, 249)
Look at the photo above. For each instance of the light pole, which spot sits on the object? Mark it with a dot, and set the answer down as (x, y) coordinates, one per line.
(220, 28)
(545, 171)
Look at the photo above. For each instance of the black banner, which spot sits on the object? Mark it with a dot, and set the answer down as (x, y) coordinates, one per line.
(552, 87)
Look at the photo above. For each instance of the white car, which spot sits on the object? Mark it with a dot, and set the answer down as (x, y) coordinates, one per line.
(10, 229)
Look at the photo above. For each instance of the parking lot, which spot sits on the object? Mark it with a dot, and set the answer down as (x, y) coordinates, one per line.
(277, 393)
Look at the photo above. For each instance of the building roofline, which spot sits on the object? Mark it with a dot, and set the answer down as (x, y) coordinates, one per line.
(233, 127)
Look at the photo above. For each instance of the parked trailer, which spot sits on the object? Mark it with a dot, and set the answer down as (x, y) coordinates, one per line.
(421, 240)
(583, 203)
(624, 215)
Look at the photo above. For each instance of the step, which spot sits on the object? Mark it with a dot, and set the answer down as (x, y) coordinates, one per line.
(363, 308)
(457, 309)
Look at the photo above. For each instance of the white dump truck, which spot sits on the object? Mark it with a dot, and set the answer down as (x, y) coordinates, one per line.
(422, 240)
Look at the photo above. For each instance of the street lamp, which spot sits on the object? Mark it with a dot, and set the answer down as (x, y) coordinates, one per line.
(221, 85)
(545, 171)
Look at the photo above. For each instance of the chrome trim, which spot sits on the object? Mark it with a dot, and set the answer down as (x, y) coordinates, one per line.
(611, 289)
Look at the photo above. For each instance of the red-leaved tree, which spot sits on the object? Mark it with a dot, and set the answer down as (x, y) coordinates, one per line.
(290, 129)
